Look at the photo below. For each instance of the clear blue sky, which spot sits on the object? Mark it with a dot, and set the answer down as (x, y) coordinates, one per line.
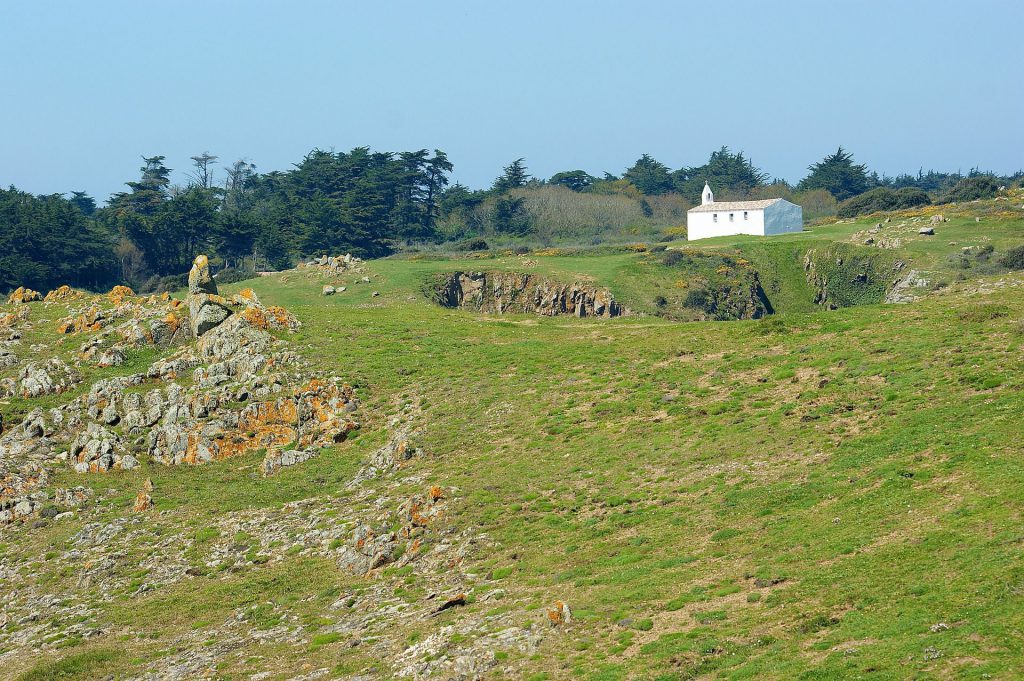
(89, 87)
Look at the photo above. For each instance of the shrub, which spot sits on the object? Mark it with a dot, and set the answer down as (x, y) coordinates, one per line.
(672, 258)
(1013, 259)
(231, 275)
(158, 284)
(883, 199)
(971, 188)
(476, 244)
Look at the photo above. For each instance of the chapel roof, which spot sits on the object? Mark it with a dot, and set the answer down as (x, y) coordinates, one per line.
(722, 206)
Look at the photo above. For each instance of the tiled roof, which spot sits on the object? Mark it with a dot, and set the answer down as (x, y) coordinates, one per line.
(726, 206)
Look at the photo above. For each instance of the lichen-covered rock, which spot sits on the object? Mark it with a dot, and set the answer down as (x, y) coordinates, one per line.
(277, 458)
(206, 312)
(143, 502)
(199, 279)
(20, 314)
(98, 450)
(47, 378)
(119, 294)
(112, 356)
(22, 295)
(367, 550)
(62, 294)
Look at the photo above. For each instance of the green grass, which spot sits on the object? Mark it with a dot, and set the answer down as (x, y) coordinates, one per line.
(802, 496)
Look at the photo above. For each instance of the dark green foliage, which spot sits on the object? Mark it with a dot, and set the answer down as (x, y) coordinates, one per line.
(672, 258)
(1013, 259)
(513, 176)
(83, 202)
(46, 241)
(883, 199)
(232, 275)
(475, 244)
(839, 175)
(972, 188)
(576, 180)
(729, 175)
(649, 176)
(510, 216)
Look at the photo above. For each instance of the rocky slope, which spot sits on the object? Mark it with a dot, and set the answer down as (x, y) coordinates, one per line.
(512, 292)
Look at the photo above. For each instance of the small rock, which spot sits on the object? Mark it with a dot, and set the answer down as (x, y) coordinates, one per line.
(560, 614)
(926, 231)
(143, 502)
(328, 291)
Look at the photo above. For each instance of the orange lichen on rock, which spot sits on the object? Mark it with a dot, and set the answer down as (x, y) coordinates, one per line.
(143, 502)
(87, 321)
(270, 318)
(560, 614)
(62, 293)
(436, 493)
(326, 407)
(22, 295)
(172, 321)
(119, 293)
(19, 315)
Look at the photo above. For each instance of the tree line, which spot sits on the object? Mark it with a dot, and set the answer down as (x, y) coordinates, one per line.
(373, 203)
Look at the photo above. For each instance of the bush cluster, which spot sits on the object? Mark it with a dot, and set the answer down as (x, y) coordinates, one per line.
(972, 188)
(883, 199)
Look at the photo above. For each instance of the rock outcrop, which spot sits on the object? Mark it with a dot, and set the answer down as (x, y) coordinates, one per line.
(22, 295)
(511, 292)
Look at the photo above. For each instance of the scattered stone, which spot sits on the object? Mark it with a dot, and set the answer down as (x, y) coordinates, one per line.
(328, 291)
(375, 294)
(926, 231)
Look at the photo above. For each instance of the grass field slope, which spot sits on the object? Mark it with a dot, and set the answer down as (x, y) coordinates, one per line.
(763, 471)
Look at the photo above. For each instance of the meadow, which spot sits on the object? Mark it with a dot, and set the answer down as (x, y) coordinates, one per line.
(816, 494)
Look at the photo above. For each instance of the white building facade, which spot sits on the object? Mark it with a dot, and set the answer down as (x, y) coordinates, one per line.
(725, 218)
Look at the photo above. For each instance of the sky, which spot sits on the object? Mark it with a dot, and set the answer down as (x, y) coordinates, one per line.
(88, 88)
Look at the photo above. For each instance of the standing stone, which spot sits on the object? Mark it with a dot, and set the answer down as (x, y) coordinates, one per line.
(199, 279)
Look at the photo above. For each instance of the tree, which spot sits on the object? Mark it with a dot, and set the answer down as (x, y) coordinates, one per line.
(576, 180)
(202, 175)
(513, 176)
(510, 216)
(84, 203)
(649, 176)
(729, 174)
(838, 175)
(46, 241)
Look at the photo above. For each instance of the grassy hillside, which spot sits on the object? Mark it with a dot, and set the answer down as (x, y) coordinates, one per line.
(815, 494)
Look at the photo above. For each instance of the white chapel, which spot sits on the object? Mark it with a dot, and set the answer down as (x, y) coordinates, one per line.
(724, 218)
